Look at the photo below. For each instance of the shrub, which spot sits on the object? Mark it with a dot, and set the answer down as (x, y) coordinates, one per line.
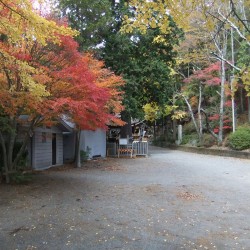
(188, 128)
(240, 139)
(190, 139)
(84, 155)
(208, 140)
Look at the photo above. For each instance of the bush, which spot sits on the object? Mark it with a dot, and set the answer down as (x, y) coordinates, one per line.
(84, 155)
(240, 139)
(191, 139)
(188, 128)
(208, 140)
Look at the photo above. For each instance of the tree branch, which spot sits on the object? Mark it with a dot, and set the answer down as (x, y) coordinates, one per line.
(236, 14)
(220, 26)
(226, 61)
(208, 125)
(234, 27)
(11, 9)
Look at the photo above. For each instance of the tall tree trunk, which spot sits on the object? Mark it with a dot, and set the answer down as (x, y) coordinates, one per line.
(9, 160)
(208, 125)
(248, 108)
(199, 114)
(78, 149)
(126, 130)
(10, 164)
(222, 90)
(192, 115)
(5, 162)
(231, 82)
(220, 137)
(24, 143)
(154, 130)
(221, 42)
(242, 99)
(14, 166)
(174, 130)
(11, 143)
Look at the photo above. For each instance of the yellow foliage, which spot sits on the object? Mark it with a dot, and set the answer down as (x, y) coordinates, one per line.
(23, 27)
(20, 21)
(160, 39)
(176, 114)
(151, 111)
(179, 114)
(26, 73)
(169, 109)
(146, 14)
(234, 86)
(184, 13)
(246, 79)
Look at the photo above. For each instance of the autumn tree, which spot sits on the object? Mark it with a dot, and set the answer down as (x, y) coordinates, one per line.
(20, 93)
(44, 77)
(202, 97)
(76, 86)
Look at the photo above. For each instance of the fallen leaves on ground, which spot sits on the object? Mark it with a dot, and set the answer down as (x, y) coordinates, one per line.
(185, 195)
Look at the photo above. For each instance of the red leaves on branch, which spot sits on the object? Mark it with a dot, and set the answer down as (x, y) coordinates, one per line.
(209, 75)
(80, 87)
(77, 85)
(227, 123)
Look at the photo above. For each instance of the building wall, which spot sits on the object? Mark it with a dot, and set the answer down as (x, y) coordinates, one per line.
(42, 148)
(95, 140)
(69, 147)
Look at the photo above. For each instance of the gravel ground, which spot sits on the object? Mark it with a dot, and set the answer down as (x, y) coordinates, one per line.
(170, 200)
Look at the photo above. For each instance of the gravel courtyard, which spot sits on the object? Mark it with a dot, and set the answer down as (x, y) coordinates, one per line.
(170, 200)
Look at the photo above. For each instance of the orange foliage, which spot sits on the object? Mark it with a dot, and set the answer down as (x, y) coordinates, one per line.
(80, 86)
(74, 84)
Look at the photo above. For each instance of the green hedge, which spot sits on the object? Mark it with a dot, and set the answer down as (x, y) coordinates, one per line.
(240, 139)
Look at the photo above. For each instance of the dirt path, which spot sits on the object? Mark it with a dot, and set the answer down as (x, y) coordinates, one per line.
(170, 200)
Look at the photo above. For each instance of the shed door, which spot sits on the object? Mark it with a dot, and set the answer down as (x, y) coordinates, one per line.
(54, 149)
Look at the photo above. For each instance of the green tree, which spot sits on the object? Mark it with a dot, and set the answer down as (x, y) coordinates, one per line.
(90, 17)
(145, 65)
